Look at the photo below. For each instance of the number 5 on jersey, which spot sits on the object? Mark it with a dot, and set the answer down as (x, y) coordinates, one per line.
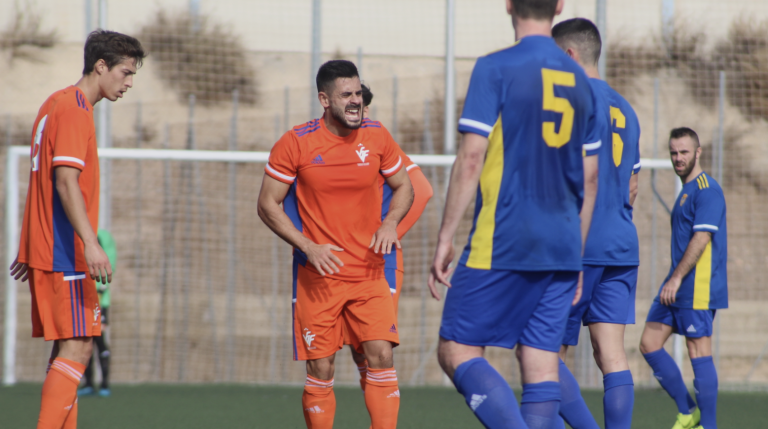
(552, 103)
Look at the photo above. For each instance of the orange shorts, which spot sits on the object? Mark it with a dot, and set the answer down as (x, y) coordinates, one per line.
(323, 306)
(64, 305)
(395, 282)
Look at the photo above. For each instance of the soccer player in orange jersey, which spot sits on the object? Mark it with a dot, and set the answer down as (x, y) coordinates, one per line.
(59, 252)
(393, 262)
(326, 173)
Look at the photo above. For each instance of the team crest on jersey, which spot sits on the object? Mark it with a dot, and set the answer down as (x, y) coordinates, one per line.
(682, 199)
(308, 338)
(362, 152)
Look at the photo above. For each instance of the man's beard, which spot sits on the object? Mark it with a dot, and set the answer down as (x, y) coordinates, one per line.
(689, 167)
(338, 115)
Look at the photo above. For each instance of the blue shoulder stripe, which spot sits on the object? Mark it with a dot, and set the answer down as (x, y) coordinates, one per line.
(308, 125)
(309, 131)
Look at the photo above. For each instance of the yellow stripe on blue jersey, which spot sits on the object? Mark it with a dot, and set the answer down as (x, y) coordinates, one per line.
(701, 283)
(706, 181)
(481, 246)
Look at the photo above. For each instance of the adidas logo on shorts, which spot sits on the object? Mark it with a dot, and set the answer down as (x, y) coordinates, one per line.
(314, 410)
(393, 329)
(476, 401)
(395, 394)
(690, 329)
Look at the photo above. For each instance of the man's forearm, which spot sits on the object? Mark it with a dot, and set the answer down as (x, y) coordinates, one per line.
(590, 195)
(692, 254)
(587, 208)
(402, 199)
(276, 219)
(74, 207)
(465, 176)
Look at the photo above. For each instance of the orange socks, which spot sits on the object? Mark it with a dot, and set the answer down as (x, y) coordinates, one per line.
(319, 403)
(382, 397)
(71, 421)
(363, 370)
(60, 395)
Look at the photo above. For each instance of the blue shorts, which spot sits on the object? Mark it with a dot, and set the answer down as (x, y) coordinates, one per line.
(502, 308)
(684, 321)
(607, 296)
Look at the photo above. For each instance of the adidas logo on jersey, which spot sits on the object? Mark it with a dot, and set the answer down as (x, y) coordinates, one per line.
(690, 329)
(314, 410)
(395, 394)
(318, 160)
(476, 401)
(658, 377)
(393, 329)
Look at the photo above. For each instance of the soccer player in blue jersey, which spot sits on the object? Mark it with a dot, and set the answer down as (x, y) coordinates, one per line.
(526, 139)
(611, 255)
(695, 288)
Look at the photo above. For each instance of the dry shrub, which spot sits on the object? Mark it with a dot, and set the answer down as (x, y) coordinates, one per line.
(412, 136)
(744, 58)
(25, 31)
(199, 58)
(742, 55)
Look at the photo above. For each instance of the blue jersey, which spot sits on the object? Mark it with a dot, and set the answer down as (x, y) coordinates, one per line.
(701, 207)
(535, 105)
(612, 236)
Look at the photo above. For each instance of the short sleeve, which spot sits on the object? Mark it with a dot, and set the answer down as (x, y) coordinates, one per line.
(597, 126)
(391, 161)
(73, 130)
(283, 164)
(709, 208)
(636, 166)
(483, 101)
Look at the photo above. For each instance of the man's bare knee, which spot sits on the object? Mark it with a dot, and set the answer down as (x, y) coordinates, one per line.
(654, 336)
(451, 354)
(379, 354)
(78, 349)
(323, 368)
(358, 358)
(699, 347)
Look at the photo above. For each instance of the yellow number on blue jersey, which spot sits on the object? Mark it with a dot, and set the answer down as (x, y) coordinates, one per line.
(552, 103)
(618, 143)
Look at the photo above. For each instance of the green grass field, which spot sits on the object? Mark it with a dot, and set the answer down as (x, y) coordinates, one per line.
(234, 406)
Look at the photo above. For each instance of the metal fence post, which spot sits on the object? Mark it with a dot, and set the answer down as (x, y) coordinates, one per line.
(231, 255)
(316, 57)
(393, 128)
(137, 249)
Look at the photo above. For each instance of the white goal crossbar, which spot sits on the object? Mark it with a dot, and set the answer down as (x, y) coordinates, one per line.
(13, 160)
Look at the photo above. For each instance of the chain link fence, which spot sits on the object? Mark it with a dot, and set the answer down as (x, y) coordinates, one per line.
(202, 287)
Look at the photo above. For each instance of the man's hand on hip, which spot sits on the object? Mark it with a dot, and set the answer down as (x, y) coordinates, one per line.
(384, 238)
(322, 258)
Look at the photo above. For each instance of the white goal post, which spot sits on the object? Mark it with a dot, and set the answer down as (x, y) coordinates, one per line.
(17, 154)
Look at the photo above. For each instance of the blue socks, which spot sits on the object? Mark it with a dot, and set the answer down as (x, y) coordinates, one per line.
(572, 406)
(541, 403)
(705, 384)
(665, 370)
(619, 399)
(488, 395)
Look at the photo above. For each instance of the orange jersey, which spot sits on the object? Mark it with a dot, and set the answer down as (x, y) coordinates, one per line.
(335, 195)
(422, 192)
(63, 135)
